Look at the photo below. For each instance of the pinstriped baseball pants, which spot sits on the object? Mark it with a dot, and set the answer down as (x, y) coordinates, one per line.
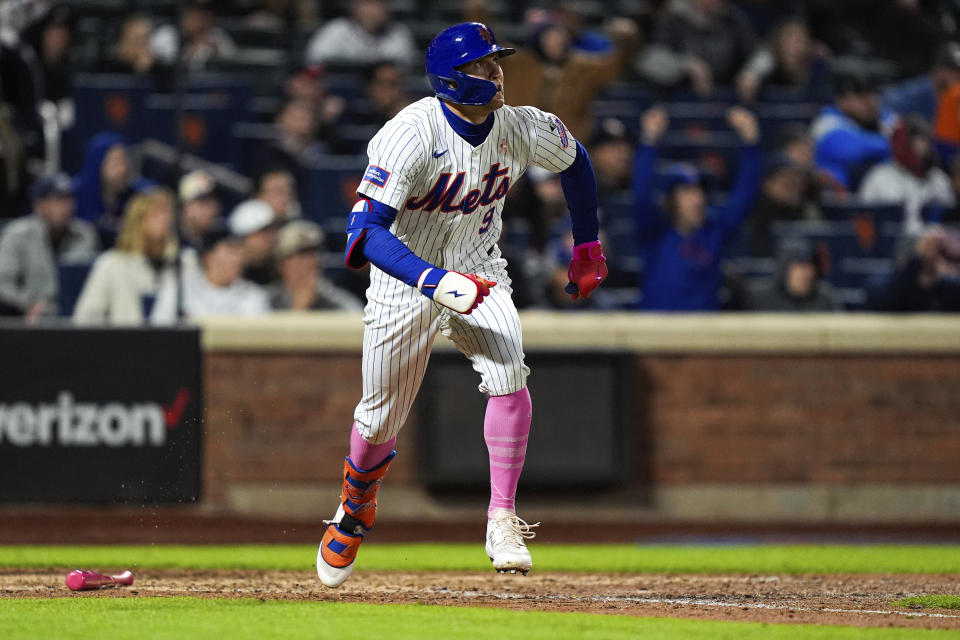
(396, 349)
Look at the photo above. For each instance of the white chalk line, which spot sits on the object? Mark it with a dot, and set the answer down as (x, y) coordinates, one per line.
(702, 602)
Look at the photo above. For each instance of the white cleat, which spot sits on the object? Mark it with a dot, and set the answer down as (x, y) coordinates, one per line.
(505, 542)
(333, 576)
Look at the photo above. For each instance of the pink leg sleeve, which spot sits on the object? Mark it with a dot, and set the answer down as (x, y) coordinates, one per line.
(506, 427)
(364, 455)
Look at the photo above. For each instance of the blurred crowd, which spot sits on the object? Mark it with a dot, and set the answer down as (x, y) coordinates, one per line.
(758, 155)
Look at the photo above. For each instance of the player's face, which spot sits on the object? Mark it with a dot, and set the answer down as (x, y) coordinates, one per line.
(488, 68)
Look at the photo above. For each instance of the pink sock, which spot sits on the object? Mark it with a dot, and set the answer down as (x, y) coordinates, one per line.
(506, 427)
(366, 456)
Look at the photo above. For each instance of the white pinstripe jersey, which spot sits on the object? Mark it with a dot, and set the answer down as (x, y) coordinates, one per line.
(449, 194)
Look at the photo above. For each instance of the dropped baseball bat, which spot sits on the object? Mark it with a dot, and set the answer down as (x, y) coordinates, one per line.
(83, 580)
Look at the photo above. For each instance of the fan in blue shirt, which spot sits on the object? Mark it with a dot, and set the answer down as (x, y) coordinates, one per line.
(681, 239)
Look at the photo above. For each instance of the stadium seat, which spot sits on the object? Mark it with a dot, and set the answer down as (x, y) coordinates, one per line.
(71, 280)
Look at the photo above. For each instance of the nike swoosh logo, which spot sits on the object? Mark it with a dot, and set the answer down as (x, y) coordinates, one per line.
(437, 155)
(455, 294)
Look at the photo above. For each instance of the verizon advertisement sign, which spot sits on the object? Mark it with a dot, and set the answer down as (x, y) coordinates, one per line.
(99, 415)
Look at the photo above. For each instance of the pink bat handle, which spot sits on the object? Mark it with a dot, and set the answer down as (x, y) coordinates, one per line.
(83, 580)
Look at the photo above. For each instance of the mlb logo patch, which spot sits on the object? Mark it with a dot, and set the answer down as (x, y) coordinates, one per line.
(377, 175)
(562, 132)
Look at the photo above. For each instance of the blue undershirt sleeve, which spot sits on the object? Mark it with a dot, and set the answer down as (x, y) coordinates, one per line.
(580, 190)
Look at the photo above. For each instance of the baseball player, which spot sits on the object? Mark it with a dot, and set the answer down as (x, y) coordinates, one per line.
(428, 220)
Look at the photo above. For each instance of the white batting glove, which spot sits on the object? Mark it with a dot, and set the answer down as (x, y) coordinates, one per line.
(461, 292)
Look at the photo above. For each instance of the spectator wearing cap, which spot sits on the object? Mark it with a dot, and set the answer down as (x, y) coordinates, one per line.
(782, 198)
(681, 240)
(850, 136)
(364, 37)
(797, 286)
(199, 206)
(302, 286)
(254, 222)
(702, 42)
(215, 290)
(911, 177)
(197, 42)
(278, 189)
(123, 283)
(32, 247)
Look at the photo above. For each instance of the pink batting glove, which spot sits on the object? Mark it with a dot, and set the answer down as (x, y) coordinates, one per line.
(588, 268)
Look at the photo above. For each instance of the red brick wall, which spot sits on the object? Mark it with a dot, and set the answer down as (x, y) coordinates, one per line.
(701, 419)
(799, 419)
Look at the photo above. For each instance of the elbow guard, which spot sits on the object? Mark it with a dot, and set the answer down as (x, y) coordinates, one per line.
(365, 214)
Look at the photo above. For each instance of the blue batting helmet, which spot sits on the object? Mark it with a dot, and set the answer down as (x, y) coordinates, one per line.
(455, 46)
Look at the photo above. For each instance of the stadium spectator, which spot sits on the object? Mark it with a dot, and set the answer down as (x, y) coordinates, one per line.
(295, 141)
(945, 81)
(255, 223)
(905, 32)
(384, 95)
(217, 289)
(850, 136)
(308, 85)
(32, 248)
(123, 283)
(951, 216)
(929, 278)
(199, 207)
(21, 77)
(611, 155)
(920, 95)
(551, 74)
(790, 58)
(105, 184)
(302, 286)
(681, 241)
(367, 36)
(702, 42)
(202, 41)
(278, 189)
(132, 54)
(782, 197)
(797, 286)
(13, 163)
(50, 39)
(911, 178)
(282, 15)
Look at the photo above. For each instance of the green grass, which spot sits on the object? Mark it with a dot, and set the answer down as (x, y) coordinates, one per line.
(179, 618)
(929, 602)
(769, 559)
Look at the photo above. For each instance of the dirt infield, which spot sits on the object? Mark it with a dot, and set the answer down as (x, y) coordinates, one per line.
(844, 600)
